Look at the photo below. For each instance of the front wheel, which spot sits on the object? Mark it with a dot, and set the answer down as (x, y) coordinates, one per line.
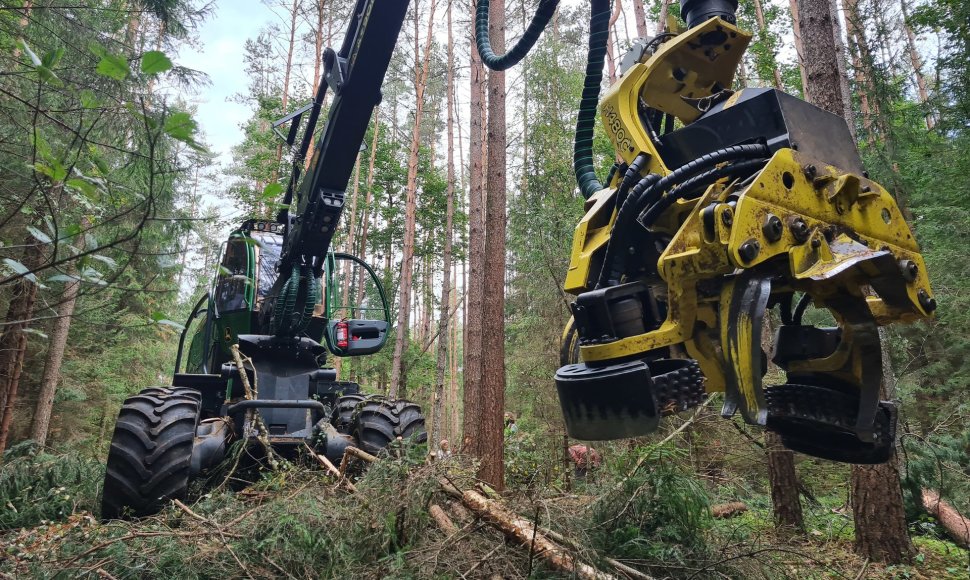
(151, 452)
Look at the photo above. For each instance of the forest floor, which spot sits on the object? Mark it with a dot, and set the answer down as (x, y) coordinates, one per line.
(301, 523)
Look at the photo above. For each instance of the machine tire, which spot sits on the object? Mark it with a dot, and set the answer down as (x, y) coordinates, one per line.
(151, 452)
(378, 422)
(342, 417)
(818, 421)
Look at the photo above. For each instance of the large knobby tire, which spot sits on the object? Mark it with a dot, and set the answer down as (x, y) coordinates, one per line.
(378, 422)
(151, 452)
(342, 417)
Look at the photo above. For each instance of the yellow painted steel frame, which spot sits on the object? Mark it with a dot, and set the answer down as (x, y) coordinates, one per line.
(857, 235)
(686, 69)
(844, 240)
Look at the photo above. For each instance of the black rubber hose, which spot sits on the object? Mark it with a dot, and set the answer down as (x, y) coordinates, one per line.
(681, 174)
(599, 31)
(652, 184)
(648, 217)
(540, 20)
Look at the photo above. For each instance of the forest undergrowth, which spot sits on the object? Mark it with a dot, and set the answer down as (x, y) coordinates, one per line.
(644, 508)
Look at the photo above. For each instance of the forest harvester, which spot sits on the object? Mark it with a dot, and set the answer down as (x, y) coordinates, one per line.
(255, 368)
(723, 205)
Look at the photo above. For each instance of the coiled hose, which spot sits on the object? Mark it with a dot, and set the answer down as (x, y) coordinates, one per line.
(295, 303)
(599, 21)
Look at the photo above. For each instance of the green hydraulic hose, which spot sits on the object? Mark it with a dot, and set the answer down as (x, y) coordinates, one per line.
(540, 20)
(599, 31)
(599, 22)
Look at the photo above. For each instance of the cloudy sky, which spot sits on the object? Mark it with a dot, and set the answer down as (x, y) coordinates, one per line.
(221, 57)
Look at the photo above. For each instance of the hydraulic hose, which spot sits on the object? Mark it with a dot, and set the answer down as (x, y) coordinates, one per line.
(544, 13)
(599, 22)
(648, 217)
(599, 31)
(650, 188)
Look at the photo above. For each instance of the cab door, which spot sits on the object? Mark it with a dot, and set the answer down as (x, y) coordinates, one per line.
(355, 307)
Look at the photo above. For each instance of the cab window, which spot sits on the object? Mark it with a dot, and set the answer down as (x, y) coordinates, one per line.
(233, 281)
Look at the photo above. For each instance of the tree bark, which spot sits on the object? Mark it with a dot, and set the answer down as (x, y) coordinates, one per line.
(437, 423)
(13, 341)
(57, 344)
(473, 351)
(799, 45)
(759, 15)
(662, 20)
(294, 10)
(492, 454)
(877, 496)
(917, 62)
(640, 16)
(861, 59)
(785, 503)
(421, 68)
(955, 524)
(823, 62)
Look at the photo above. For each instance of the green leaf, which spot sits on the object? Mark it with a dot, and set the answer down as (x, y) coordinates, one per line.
(63, 278)
(171, 323)
(113, 66)
(105, 260)
(30, 54)
(20, 269)
(180, 126)
(41, 236)
(89, 190)
(52, 57)
(35, 332)
(272, 190)
(89, 100)
(154, 62)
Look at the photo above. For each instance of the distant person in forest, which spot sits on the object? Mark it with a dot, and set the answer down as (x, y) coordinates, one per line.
(444, 449)
(510, 427)
(584, 459)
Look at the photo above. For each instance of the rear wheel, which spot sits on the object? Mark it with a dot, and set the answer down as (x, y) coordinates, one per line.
(378, 422)
(342, 417)
(151, 452)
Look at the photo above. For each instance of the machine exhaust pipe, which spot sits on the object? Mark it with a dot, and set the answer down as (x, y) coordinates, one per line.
(696, 12)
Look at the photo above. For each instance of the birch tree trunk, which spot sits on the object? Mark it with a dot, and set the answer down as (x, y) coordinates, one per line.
(421, 67)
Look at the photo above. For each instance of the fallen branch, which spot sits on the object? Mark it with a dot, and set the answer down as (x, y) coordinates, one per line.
(329, 466)
(956, 525)
(354, 452)
(525, 533)
(728, 510)
(442, 519)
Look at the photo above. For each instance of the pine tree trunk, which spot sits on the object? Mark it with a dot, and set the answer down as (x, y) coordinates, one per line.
(492, 467)
(799, 45)
(662, 20)
(365, 225)
(57, 344)
(877, 496)
(440, 398)
(13, 341)
(858, 49)
(917, 63)
(286, 80)
(475, 290)
(421, 67)
(786, 506)
(759, 15)
(641, 17)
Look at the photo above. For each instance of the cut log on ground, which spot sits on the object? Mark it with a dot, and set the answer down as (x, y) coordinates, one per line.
(525, 533)
(728, 510)
(442, 519)
(957, 525)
